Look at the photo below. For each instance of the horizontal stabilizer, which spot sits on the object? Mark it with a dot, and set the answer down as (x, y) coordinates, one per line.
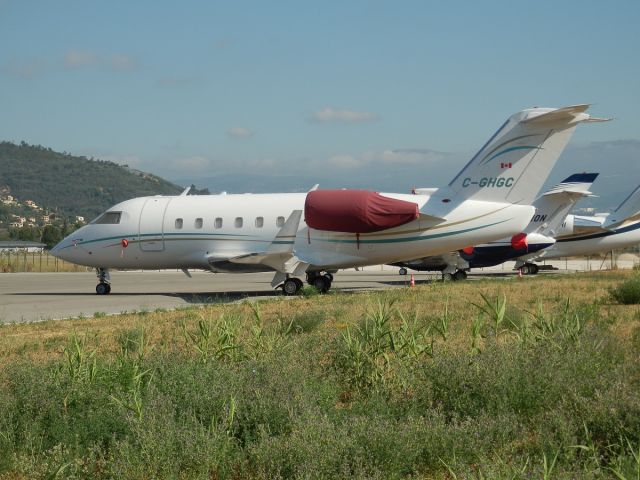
(577, 183)
(560, 115)
(554, 205)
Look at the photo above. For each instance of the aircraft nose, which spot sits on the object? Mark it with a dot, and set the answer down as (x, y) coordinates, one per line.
(57, 250)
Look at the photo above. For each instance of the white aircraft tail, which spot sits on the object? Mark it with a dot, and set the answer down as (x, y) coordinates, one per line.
(553, 206)
(628, 210)
(516, 161)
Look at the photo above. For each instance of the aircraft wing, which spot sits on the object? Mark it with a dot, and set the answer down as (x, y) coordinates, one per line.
(584, 224)
(280, 255)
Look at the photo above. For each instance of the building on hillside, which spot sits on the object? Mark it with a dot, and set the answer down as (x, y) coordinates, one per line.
(79, 219)
(21, 246)
(8, 200)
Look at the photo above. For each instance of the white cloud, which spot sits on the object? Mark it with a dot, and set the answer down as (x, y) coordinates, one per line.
(345, 161)
(118, 62)
(341, 115)
(239, 132)
(192, 164)
(79, 58)
(269, 163)
(388, 157)
(73, 59)
(24, 70)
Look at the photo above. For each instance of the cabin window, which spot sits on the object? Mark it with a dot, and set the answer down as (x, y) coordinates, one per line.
(259, 222)
(279, 221)
(238, 222)
(179, 223)
(217, 222)
(198, 223)
(111, 218)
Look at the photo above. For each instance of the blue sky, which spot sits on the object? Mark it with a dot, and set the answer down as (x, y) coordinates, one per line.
(336, 90)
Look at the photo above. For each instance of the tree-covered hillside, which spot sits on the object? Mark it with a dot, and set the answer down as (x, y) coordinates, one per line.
(72, 185)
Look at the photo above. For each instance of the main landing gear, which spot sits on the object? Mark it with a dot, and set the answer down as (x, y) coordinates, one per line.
(529, 269)
(321, 281)
(456, 276)
(104, 287)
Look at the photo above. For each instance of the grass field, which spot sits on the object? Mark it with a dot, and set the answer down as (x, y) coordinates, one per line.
(530, 378)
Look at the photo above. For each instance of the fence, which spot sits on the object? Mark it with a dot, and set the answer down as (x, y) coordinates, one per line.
(23, 261)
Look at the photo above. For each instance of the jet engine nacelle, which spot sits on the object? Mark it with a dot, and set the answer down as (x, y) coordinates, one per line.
(567, 226)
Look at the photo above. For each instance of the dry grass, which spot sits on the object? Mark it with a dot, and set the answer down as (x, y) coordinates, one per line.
(44, 341)
(36, 262)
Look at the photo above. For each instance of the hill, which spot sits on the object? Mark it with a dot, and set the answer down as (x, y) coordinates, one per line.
(72, 185)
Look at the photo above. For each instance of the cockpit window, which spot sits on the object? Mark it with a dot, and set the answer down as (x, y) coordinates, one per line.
(111, 218)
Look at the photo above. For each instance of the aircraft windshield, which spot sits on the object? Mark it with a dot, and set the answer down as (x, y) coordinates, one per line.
(109, 218)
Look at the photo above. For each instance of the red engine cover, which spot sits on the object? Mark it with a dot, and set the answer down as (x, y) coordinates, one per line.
(519, 241)
(356, 211)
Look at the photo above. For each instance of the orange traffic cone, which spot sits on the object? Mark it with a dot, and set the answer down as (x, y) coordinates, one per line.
(412, 283)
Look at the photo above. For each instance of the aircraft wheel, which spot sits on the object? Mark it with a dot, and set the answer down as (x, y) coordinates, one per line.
(329, 276)
(103, 289)
(291, 286)
(533, 269)
(322, 284)
(460, 275)
(403, 271)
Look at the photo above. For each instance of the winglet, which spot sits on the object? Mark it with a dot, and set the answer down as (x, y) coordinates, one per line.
(286, 237)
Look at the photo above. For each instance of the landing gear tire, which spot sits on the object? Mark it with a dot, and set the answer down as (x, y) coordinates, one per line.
(459, 275)
(103, 289)
(322, 283)
(533, 269)
(402, 271)
(311, 277)
(291, 286)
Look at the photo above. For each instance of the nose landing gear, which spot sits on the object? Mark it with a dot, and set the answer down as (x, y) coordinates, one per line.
(104, 285)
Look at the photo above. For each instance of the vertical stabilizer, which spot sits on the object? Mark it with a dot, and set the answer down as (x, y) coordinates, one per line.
(628, 210)
(554, 205)
(516, 161)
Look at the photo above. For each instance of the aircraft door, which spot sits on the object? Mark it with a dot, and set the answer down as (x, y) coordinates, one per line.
(150, 227)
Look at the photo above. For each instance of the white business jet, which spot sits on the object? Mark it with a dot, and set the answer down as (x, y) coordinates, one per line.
(319, 232)
(586, 235)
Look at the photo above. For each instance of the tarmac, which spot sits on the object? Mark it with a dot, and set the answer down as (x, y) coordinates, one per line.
(30, 297)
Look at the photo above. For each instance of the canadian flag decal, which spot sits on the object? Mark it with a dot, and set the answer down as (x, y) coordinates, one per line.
(505, 165)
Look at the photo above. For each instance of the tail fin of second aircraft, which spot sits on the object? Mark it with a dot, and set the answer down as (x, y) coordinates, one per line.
(516, 161)
(628, 210)
(554, 205)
